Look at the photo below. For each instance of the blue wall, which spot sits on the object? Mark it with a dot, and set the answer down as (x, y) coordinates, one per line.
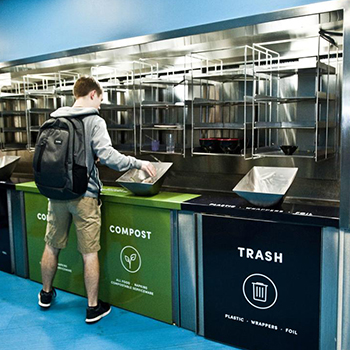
(35, 27)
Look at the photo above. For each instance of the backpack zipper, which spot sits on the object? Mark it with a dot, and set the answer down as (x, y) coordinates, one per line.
(42, 149)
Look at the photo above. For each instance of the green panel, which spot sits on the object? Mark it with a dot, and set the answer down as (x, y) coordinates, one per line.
(69, 276)
(27, 187)
(136, 256)
(166, 200)
(148, 290)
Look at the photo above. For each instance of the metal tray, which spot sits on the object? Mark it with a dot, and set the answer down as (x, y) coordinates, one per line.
(7, 166)
(265, 186)
(141, 184)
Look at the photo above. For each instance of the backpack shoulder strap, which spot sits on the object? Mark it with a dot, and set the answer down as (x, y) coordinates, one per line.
(81, 116)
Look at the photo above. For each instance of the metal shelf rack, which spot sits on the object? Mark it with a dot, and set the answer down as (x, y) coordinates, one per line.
(13, 127)
(267, 102)
(120, 102)
(163, 110)
(41, 100)
(223, 102)
(303, 107)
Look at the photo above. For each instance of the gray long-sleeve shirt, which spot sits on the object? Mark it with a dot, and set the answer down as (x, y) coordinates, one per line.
(98, 143)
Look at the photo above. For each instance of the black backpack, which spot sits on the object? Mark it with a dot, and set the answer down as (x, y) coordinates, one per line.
(59, 163)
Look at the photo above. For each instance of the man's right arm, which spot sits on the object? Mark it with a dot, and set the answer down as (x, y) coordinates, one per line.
(102, 146)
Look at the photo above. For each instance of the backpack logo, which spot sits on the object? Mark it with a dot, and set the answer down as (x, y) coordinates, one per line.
(58, 142)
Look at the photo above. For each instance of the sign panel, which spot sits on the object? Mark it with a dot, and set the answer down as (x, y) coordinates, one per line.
(261, 284)
(136, 255)
(69, 276)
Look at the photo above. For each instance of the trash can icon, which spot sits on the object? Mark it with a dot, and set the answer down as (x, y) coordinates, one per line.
(259, 291)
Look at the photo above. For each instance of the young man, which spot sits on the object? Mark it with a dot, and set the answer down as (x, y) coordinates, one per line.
(85, 211)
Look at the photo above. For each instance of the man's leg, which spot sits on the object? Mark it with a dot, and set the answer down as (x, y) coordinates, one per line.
(49, 264)
(91, 277)
(87, 219)
(96, 308)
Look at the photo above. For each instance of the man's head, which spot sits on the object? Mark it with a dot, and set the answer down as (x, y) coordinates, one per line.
(87, 92)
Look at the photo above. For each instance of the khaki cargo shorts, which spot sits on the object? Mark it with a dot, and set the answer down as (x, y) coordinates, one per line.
(86, 215)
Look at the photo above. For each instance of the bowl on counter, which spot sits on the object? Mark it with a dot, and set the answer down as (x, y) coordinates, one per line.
(140, 183)
(231, 145)
(288, 149)
(266, 186)
(210, 144)
(7, 166)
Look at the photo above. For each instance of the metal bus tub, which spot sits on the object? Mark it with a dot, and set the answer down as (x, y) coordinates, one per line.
(265, 186)
(140, 183)
(7, 166)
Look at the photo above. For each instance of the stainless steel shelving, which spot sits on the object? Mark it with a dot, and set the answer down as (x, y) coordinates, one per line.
(13, 127)
(223, 100)
(41, 100)
(163, 111)
(120, 105)
(301, 108)
(268, 102)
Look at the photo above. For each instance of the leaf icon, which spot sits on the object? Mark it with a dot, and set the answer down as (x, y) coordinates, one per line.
(130, 260)
(134, 256)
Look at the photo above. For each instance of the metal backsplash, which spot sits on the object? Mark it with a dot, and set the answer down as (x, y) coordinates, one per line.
(281, 31)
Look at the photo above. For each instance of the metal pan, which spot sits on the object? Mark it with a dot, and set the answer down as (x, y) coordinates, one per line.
(7, 166)
(265, 186)
(141, 184)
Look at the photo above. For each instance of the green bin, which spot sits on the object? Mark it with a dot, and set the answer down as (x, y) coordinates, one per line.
(136, 249)
(136, 254)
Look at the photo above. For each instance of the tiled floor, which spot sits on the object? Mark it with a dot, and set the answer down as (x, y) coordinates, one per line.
(23, 325)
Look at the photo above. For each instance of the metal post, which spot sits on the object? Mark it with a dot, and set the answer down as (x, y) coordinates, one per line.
(345, 182)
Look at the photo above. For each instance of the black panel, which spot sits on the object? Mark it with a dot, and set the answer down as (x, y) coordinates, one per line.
(261, 284)
(232, 205)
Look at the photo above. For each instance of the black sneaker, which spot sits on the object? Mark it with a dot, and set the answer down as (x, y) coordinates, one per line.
(94, 314)
(45, 299)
